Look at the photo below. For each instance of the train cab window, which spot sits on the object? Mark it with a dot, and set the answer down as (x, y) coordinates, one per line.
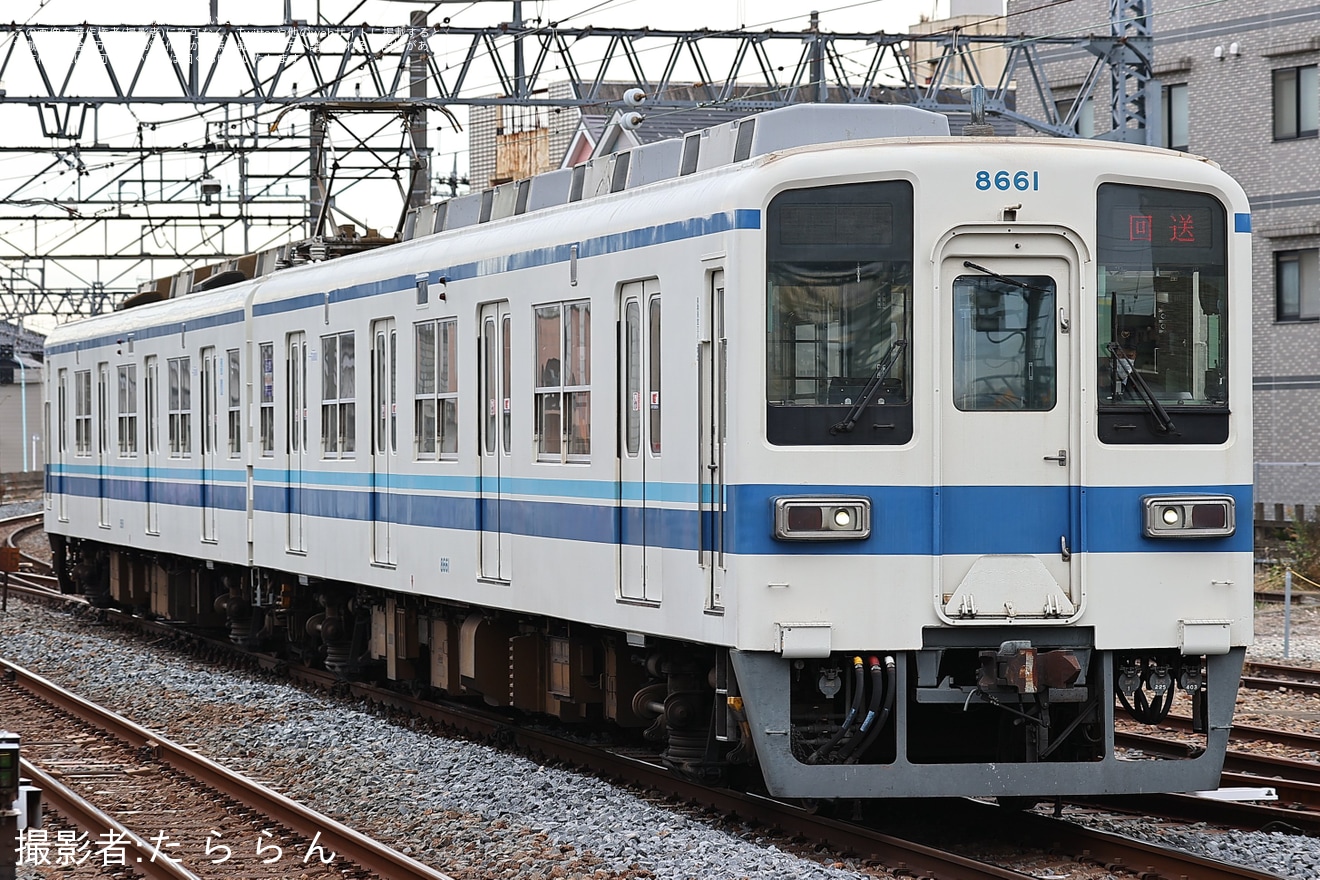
(267, 355)
(1004, 343)
(435, 405)
(180, 407)
(563, 381)
(839, 297)
(1162, 292)
(338, 394)
(82, 412)
(128, 433)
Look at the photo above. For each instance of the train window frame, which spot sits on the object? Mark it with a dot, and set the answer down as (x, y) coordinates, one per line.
(82, 413)
(339, 409)
(128, 410)
(234, 399)
(435, 387)
(180, 406)
(839, 298)
(562, 394)
(993, 316)
(1162, 334)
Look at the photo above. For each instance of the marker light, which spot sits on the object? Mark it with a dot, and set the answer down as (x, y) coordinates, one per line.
(1188, 516)
(822, 518)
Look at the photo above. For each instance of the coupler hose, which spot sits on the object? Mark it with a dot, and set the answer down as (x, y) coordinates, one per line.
(859, 693)
(891, 687)
(877, 693)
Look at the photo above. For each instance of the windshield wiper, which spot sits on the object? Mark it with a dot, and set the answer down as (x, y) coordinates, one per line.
(1162, 417)
(1004, 278)
(868, 390)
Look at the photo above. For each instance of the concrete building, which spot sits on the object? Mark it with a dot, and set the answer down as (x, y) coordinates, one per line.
(1239, 86)
(22, 440)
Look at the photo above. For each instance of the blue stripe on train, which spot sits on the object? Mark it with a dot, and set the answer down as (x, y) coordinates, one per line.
(906, 520)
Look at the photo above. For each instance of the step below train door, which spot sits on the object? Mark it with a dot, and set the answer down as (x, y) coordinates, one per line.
(1007, 517)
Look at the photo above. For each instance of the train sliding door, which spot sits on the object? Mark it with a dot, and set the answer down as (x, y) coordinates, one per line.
(496, 442)
(712, 406)
(384, 440)
(295, 509)
(210, 423)
(1007, 518)
(639, 445)
(151, 409)
(103, 444)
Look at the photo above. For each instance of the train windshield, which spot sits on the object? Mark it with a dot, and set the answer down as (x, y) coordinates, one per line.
(839, 290)
(1162, 294)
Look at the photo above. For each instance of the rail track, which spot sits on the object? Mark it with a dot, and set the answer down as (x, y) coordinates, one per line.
(174, 809)
(894, 852)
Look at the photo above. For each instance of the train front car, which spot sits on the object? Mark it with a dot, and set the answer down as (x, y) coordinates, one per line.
(1006, 425)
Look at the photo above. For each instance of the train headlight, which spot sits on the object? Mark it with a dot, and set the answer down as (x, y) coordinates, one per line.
(1188, 516)
(822, 518)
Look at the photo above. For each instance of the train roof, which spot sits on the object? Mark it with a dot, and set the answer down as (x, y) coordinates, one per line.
(724, 144)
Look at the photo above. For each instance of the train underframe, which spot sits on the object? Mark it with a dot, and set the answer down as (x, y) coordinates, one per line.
(1011, 712)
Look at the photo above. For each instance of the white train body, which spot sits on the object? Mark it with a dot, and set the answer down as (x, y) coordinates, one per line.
(640, 450)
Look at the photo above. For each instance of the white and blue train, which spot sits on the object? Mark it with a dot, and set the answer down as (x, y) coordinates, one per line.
(882, 462)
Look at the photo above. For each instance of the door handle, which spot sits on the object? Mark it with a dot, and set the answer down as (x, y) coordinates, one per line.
(1061, 458)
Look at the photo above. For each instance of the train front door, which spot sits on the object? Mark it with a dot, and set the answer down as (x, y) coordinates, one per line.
(1007, 518)
(639, 452)
(385, 439)
(496, 442)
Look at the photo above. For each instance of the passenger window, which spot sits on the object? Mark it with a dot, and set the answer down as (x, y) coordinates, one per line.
(563, 381)
(435, 403)
(1004, 343)
(338, 385)
(180, 407)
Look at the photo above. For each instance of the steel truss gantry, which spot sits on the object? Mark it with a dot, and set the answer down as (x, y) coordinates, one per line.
(241, 81)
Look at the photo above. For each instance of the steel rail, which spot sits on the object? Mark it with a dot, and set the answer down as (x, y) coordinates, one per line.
(352, 845)
(1248, 732)
(94, 820)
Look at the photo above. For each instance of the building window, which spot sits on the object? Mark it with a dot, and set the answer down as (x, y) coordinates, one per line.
(180, 409)
(1297, 285)
(338, 384)
(82, 412)
(267, 398)
(1296, 103)
(128, 435)
(1175, 117)
(1084, 124)
(435, 403)
(563, 381)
